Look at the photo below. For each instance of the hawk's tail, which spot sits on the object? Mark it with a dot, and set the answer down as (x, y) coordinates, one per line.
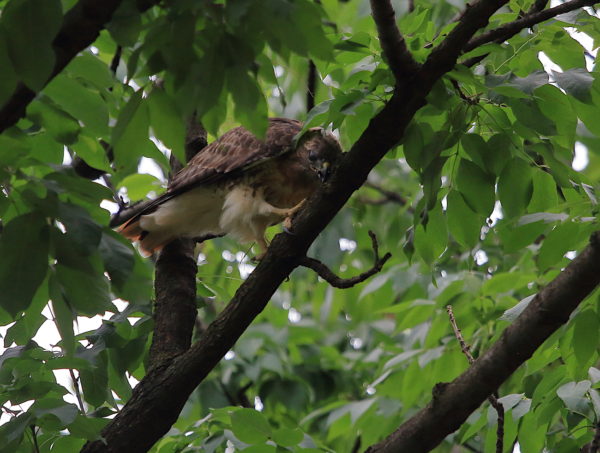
(149, 242)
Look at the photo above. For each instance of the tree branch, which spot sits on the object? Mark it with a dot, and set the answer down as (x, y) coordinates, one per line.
(398, 57)
(510, 29)
(549, 310)
(81, 26)
(443, 57)
(389, 196)
(337, 282)
(175, 279)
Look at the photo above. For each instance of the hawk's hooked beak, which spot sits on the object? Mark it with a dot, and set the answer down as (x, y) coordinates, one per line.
(324, 171)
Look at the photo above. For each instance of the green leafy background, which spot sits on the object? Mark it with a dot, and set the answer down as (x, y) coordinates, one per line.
(493, 211)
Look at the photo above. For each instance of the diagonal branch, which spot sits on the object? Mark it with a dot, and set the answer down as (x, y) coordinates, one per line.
(510, 29)
(399, 58)
(548, 311)
(337, 282)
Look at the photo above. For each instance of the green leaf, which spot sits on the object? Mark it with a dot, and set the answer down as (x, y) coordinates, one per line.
(529, 114)
(139, 185)
(54, 413)
(86, 293)
(573, 396)
(515, 187)
(24, 249)
(81, 229)
(545, 195)
(90, 68)
(61, 126)
(166, 122)
(476, 187)
(250, 104)
(87, 427)
(118, 258)
(79, 102)
(95, 382)
(125, 24)
(250, 426)
(30, 26)
(431, 240)
(288, 437)
(463, 224)
(506, 281)
(131, 130)
(11, 432)
(559, 241)
(512, 313)
(499, 146)
(63, 316)
(476, 148)
(92, 152)
(585, 336)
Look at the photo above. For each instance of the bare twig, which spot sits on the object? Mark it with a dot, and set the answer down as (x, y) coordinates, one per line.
(357, 444)
(10, 411)
(493, 399)
(329, 276)
(458, 334)
(36, 447)
(389, 196)
(311, 85)
(411, 6)
(77, 392)
(594, 445)
(114, 64)
(399, 58)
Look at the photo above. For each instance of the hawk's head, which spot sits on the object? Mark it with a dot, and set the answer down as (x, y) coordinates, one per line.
(319, 150)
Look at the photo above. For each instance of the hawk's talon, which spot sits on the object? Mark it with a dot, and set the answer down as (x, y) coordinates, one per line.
(287, 226)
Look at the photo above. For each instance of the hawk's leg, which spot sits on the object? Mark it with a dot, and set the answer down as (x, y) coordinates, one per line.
(288, 214)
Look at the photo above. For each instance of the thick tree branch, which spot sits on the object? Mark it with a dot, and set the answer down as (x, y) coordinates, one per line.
(398, 57)
(549, 310)
(81, 26)
(510, 29)
(175, 279)
(337, 282)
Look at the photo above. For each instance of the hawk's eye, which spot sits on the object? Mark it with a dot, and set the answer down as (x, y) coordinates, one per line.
(312, 156)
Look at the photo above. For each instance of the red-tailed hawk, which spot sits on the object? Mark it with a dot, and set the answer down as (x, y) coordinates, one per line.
(238, 185)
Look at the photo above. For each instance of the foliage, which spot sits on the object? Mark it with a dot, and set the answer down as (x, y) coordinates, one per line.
(491, 211)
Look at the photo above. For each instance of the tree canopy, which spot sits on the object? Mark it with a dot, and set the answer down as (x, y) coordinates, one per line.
(438, 293)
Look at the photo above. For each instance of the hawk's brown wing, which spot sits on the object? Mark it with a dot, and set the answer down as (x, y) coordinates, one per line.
(235, 152)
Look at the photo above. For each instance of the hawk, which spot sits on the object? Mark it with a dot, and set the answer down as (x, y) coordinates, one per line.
(238, 185)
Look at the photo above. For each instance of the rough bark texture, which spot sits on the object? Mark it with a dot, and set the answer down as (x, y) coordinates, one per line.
(175, 280)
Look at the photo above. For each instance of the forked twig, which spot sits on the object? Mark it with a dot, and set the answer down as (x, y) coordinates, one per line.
(330, 277)
(493, 399)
